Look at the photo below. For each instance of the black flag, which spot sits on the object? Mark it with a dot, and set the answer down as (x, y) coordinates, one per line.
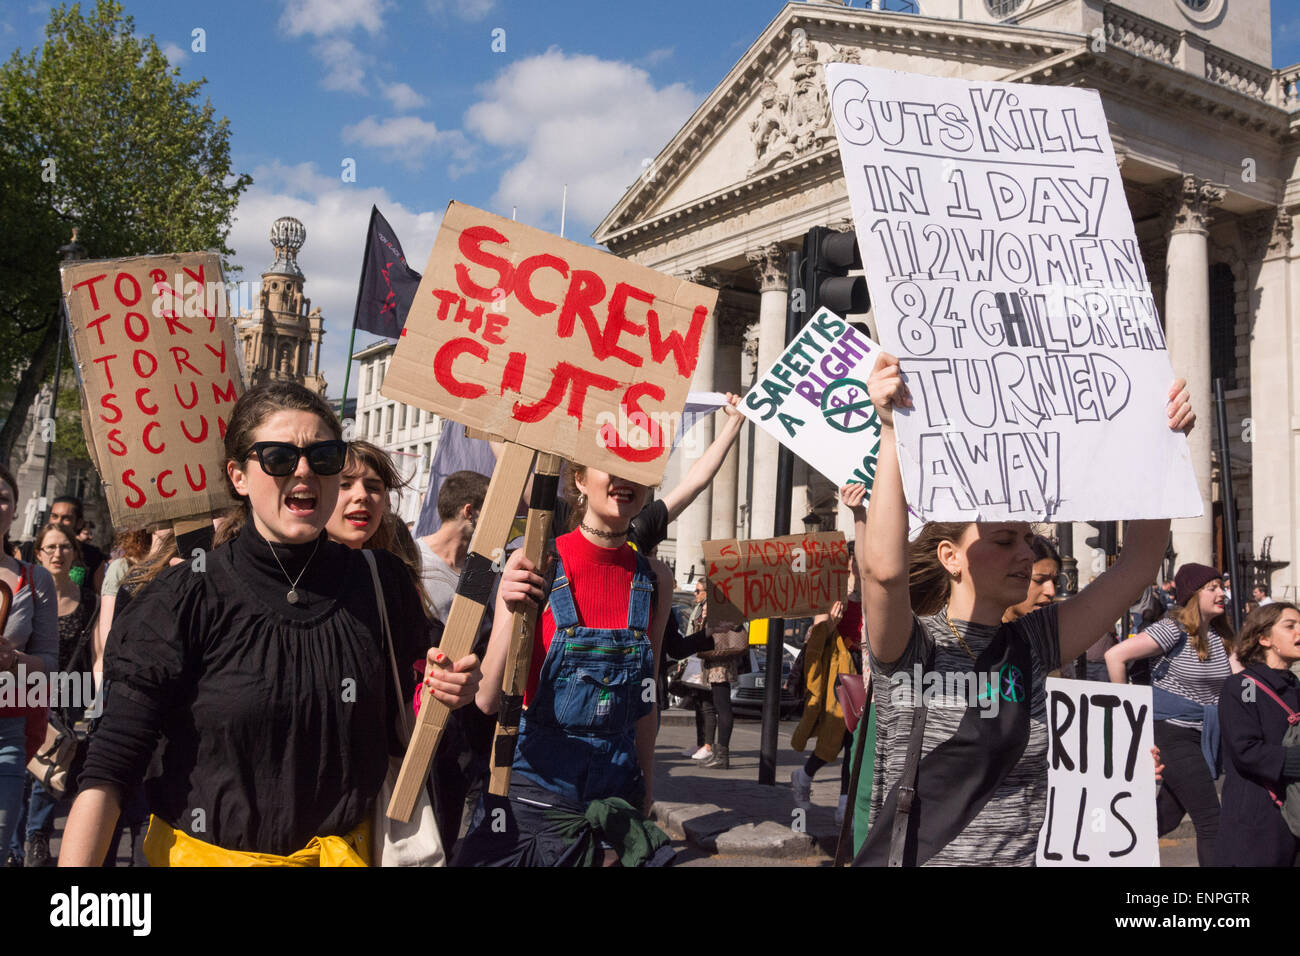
(388, 284)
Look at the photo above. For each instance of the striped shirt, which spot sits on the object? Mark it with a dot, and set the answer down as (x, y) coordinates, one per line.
(1005, 831)
(1187, 675)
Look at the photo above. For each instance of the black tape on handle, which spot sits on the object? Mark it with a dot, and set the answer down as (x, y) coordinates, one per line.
(512, 705)
(476, 580)
(544, 489)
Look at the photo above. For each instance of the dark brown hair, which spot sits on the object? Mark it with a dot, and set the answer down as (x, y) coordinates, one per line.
(51, 527)
(928, 581)
(1259, 624)
(461, 488)
(134, 544)
(154, 564)
(569, 476)
(254, 407)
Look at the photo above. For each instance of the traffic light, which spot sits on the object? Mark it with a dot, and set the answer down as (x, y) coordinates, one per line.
(828, 257)
(1105, 540)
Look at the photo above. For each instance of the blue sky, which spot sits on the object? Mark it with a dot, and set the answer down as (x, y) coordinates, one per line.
(584, 92)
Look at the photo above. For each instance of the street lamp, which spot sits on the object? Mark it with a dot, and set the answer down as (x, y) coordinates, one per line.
(70, 252)
(812, 523)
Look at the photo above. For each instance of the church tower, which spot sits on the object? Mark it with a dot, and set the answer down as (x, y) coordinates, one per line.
(281, 338)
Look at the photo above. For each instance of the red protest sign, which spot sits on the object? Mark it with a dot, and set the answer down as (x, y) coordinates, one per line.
(156, 360)
(550, 344)
(798, 575)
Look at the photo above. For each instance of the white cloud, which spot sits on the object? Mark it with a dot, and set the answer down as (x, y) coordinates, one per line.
(655, 57)
(323, 17)
(176, 55)
(335, 215)
(465, 9)
(406, 138)
(575, 119)
(403, 97)
(344, 71)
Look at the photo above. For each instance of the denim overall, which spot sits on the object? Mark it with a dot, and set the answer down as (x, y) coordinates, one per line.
(578, 736)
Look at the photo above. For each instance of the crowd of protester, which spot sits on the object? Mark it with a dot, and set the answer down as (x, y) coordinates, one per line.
(218, 733)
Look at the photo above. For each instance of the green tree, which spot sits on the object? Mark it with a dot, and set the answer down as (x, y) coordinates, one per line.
(96, 131)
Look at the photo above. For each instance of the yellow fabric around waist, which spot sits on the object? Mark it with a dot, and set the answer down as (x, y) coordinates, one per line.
(166, 846)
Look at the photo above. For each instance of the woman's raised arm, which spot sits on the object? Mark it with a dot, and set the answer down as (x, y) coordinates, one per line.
(882, 544)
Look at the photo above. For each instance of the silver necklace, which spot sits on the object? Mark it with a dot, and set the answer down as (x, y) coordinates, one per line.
(292, 597)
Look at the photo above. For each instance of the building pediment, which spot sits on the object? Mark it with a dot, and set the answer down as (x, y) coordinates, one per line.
(771, 112)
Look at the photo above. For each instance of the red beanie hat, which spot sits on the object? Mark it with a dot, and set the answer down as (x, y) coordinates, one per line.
(1190, 579)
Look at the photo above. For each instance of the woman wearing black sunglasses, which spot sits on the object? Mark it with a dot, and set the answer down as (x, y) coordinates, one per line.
(265, 671)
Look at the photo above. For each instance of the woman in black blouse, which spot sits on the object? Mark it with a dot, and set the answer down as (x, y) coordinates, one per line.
(265, 671)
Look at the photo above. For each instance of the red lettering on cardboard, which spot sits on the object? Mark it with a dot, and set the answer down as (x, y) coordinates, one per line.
(136, 500)
(562, 376)
(115, 444)
(513, 376)
(144, 439)
(161, 490)
(228, 395)
(446, 299)
(135, 360)
(140, 393)
(194, 394)
(447, 355)
(106, 401)
(182, 357)
(524, 277)
(94, 297)
(117, 288)
(686, 352)
(203, 431)
(471, 247)
(586, 289)
(618, 323)
(203, 477)
(95, 324)
(630, 407)
(144, 331)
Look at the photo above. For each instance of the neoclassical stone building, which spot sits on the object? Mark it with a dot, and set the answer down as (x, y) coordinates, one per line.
(281, 338)
(1205, 132)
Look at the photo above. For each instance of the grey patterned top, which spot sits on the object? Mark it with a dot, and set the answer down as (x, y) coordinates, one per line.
(1005, 831)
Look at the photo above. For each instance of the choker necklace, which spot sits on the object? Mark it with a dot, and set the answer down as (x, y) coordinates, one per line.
(292, 597)
(607, 535)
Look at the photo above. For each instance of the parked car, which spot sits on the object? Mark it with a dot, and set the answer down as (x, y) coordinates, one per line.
(750, 688)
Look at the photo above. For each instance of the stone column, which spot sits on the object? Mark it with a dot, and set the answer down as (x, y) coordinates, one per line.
(1187, 331)
(695, 523)
(731, 322)
(770, 264)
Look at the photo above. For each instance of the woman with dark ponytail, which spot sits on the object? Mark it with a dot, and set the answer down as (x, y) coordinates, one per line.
(960, 776)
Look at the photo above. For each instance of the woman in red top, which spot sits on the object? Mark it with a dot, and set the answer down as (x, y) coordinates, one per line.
(584, 764)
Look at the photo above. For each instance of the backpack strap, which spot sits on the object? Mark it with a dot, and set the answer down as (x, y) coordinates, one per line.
(907, 784)
(1292, 718)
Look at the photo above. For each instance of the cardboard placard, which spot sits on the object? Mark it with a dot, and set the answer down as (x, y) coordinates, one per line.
(159, 373)
(550, 344)
(1005, 274)
(796, 575)
(814, 400)
(1101, 796)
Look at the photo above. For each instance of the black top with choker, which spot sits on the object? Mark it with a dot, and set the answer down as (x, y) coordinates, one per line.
(276, 718)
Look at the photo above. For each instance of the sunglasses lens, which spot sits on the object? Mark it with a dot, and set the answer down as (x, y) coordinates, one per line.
(278, 460)
(327, 458)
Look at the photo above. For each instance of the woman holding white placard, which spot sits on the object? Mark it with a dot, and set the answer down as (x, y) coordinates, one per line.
(976, 763)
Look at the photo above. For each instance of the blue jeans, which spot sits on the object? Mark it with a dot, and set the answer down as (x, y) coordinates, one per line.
(13, 769)
(40, 810)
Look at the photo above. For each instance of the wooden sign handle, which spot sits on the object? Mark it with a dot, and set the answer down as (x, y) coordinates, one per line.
(472, 593)
(519, 658)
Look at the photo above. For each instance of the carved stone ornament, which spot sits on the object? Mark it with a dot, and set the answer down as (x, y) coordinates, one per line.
(794, 122)
(848, 54)
(732, 322)
(769, 263)
(705, 277)
(1193, 198)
